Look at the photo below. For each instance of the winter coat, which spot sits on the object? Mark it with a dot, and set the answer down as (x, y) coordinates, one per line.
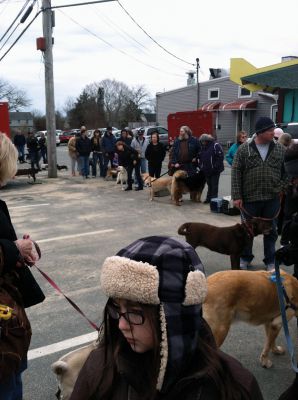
(42, 143)
(140, 146)
(96, 145)
(108, 143)
(127, 156)
(32, 144)
(19, 140)
(193, 149)
(72, 150)
(128, 382)
(231, 153)
(24, 280)
(155, 154)
(211, 158)
(83, 146)
(254, 179)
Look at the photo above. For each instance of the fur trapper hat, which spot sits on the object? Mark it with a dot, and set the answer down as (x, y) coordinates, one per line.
(167, 272)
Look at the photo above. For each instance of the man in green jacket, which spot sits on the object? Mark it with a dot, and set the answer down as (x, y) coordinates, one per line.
(257, 180)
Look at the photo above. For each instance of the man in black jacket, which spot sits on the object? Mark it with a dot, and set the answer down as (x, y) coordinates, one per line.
(20, 141)
(83, 146)
(129, 159)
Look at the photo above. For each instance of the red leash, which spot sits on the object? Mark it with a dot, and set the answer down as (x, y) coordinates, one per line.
(77, 308)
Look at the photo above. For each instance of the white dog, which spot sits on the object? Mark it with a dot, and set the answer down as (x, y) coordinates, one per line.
(121, 176)
(67, 369)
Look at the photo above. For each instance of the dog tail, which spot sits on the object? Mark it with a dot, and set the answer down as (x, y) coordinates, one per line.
(183, 229)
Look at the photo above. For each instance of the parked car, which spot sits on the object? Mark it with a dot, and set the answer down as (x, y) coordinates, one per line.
(163, 134)
(45, 132)
(66, 135)
(292, 129)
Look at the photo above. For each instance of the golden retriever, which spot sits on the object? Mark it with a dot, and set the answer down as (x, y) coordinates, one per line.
(67, 369)
(156, 185)
(248, 296)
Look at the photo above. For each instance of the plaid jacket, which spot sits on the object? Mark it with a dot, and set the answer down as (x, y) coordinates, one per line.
(254, 179)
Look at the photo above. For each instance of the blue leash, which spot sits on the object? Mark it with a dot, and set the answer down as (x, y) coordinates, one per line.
(281, 295)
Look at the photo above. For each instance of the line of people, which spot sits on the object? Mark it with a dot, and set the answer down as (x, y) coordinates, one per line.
(37, 148)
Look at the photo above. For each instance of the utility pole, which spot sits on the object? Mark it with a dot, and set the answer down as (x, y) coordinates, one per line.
(49, 89)
(198, 88)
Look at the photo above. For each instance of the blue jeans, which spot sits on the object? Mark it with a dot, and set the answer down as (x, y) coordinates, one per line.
(212, 183)
(21, 151)
(143, 165)
(84, 163)
(264, 209)
(97, 158)
(12, 389)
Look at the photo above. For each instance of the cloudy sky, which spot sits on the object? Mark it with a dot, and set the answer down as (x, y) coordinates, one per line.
(100, 41)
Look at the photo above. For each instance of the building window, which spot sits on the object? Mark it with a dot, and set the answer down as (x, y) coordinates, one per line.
(213, 94)
(243, 92)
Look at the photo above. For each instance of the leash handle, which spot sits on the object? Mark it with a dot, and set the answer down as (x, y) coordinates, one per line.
(72, 303)
(283, 316)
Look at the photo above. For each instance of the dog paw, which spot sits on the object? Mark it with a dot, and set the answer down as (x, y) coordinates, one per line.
(265, 362)
(278, 350)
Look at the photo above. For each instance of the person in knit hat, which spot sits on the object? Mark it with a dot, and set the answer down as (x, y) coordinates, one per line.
(154, 343)
(211, 157)
(257, 180)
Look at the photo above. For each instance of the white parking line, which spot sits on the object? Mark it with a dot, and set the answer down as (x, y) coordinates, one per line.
(31, 205)
(63, 345)
(74, 236)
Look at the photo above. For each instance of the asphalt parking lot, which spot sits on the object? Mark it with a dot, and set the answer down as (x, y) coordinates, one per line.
(80, 222)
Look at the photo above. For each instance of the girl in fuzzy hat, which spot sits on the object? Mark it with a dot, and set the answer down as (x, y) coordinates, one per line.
(154, 343)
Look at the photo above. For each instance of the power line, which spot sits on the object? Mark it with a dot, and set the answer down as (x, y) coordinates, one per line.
(20, 35)
(11, 25)
(167, 51)
(115, 48)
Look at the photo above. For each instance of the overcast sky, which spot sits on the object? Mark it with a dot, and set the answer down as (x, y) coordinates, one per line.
(100, 41)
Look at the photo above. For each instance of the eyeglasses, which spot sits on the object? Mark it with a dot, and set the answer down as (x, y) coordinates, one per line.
(132, 317)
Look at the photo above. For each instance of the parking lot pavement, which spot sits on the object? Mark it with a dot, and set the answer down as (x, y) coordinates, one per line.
(78, 223)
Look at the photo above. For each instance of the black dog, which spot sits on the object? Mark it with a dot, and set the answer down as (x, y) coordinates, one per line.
(194, 182)
(61, 167)
(30, 172)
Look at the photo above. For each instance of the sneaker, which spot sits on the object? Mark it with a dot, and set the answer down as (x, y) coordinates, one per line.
(244, 264)
(270, 267)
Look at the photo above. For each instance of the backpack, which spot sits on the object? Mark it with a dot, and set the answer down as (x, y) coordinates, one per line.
(15, 330)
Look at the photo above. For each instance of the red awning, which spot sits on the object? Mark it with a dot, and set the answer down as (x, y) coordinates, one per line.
(239, 105)
(210, 106)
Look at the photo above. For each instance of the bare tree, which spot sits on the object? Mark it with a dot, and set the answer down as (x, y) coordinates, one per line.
(17, 98)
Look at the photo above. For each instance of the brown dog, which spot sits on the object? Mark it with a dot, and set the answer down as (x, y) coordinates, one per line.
(67, 369)
(230, 240)
(248, 296)
(156, 185)
(182, 184)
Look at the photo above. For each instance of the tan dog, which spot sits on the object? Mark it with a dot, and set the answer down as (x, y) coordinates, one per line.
(248, 296)
(180, 186)
(67, 369)
(111, 174)
(230, 240)
(156, 185)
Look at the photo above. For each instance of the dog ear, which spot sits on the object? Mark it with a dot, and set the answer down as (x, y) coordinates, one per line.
(182, 230)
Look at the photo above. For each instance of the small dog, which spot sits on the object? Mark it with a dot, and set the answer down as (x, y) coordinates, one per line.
(156, 185)
(248, 296)
(30, 172)
(67, 369)
(121, 176)
(230, 240)
(182, 183)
